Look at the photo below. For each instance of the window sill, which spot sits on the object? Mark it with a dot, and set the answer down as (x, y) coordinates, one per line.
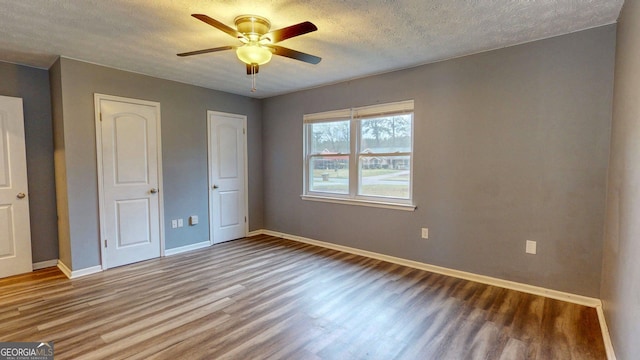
(369, 203)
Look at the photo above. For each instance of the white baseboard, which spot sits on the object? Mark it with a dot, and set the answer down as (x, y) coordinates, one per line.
(530, 289)
(45, 264)
(606, 337)
(65, 270)
(78, 273)
(190, 247)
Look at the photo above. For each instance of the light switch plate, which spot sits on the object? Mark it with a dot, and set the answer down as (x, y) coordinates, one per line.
(174, 224)
(180, 223)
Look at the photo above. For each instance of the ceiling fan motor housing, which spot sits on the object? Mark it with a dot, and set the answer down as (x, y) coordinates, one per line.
(252, 26)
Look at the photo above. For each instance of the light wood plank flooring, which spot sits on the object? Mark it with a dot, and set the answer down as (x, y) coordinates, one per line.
(269, 298)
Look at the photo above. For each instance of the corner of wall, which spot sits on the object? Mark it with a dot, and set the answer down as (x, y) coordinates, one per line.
(62, 206)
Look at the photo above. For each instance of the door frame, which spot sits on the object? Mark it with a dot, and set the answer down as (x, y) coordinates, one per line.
(238, 117)
(101, 201)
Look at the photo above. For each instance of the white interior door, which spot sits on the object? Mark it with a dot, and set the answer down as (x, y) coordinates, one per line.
(15, 233)
(130, 174)
(227, 176)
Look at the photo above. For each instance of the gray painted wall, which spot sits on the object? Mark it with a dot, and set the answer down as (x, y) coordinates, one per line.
(621, 261)
(32, 85)
(184, 151)
(64, 239)
(509, 145)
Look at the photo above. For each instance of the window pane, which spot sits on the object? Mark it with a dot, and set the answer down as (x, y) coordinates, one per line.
(330, 137)
(329, 174)
(387, 176)
(387, 134)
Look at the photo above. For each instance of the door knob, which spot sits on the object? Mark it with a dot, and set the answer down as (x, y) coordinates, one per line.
(214, 187)
(153, 191)
(21, 195)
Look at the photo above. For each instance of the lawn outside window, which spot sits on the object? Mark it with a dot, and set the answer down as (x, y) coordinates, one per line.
(360, 156)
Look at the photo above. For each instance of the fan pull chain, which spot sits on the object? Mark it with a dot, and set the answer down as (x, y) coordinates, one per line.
(253, 77)
(253, 82)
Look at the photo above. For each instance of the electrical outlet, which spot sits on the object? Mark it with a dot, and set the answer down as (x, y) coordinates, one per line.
(530, 248)
(174, 224)
(425, 233)
(180, 223)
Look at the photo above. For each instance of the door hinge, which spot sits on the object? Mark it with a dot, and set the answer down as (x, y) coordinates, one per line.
(245, 219)
(105, 243)
(243, 131)
(100, 116)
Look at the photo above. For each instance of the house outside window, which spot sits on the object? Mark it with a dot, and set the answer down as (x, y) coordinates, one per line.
(360, 156)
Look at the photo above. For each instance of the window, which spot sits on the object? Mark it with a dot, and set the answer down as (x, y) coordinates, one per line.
(361, 155)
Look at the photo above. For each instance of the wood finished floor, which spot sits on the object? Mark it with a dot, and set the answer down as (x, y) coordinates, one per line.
(269, 298)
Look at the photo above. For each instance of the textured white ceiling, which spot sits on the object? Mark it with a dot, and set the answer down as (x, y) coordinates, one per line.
(355, 38)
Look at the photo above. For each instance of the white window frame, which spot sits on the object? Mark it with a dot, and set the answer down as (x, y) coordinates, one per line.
(354, 116)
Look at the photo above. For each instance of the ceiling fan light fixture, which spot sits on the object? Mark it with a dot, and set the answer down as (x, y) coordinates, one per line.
(257, 41)
(253, 54)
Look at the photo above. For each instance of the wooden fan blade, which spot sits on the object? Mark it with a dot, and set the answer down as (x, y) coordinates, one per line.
(293, 54)
(204, 51)
(218, 25)
(290, 31)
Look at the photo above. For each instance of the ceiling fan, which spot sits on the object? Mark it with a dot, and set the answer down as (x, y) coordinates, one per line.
(258, 42)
